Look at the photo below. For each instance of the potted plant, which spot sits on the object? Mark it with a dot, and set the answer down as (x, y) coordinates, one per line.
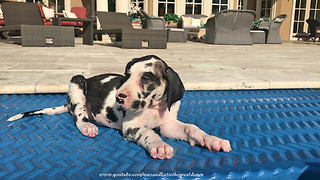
(171, 19)
(132, 13)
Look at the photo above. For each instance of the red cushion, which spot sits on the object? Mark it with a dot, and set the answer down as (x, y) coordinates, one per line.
(1, 22)
(48, 23)
(79, 11)
(42, 13)
(68, 23)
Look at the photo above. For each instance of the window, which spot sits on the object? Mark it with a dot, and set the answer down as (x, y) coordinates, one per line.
(240, 4)
(193, 6)
(57, 5)
(299, 16)
(314, 12)
(266, 6)
(219, 5)
(165, 6)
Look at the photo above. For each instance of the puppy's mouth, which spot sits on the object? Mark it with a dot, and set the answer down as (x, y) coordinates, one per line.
(119, 101)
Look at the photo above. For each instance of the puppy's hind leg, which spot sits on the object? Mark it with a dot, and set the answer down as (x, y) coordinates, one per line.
(77, 105)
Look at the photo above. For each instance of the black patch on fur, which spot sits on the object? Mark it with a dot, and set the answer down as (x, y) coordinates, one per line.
(139, 95)
(135, 104)
(94, 110)
(81, 82)
(97, 92)
(154, 96)
(143, 103)
(73, 107)
(85, 119)
(151, 102)
(31, 113)
(145, 94)
(136, 60)
(111, 115)
(131, 132)
(148, 65)
(151, 87)
(156, 130)
(152, 77)
(139, 137)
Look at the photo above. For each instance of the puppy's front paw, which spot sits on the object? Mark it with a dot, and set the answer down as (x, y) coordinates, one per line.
(161, 150)
(88, 129)
(216, 144)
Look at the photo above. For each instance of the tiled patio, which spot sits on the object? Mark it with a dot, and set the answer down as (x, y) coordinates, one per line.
(201, 66)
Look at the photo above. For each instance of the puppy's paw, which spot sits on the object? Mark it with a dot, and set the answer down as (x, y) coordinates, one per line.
(161, 150)
(216, 144)
(88, 129)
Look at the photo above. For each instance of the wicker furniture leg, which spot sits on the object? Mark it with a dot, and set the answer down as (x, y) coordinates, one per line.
(157, 39)
(88, 32)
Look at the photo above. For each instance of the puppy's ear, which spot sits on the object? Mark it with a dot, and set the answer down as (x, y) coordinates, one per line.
(175, 88)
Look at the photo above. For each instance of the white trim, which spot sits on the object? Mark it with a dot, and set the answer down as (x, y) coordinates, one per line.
(67, 5)
(292, 19)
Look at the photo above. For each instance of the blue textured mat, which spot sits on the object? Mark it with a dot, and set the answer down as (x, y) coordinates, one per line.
(274, 134)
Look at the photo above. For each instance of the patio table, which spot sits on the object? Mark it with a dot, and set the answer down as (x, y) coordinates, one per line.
(87, 27)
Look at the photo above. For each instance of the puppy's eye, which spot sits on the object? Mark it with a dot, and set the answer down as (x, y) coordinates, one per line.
(144, 79)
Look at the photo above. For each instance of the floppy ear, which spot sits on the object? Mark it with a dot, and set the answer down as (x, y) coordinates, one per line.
(175, 88)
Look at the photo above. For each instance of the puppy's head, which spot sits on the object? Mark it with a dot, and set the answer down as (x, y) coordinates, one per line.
(148, 80)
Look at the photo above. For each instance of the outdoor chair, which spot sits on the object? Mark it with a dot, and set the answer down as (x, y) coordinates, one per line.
(26, 19)
(272, 28)
(174, 34)
(119, 24)
(230, 27)
(314, 25)
(151, 22)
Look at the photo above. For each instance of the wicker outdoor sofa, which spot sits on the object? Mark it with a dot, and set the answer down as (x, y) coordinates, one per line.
(119, 24)
(230, 27)
(25, 18)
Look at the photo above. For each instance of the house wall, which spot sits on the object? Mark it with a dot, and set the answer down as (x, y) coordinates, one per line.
(76, 3)
(285, 7)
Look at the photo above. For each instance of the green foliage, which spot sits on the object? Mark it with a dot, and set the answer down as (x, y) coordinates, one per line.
(258, 21)
(40, 2)
(171, 18)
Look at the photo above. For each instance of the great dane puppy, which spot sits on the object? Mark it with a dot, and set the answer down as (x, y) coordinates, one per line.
(145, 100)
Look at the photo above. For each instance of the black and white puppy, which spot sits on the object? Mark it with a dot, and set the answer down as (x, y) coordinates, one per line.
(147, 97)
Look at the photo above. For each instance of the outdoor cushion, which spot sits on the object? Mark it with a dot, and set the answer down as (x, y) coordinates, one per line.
(186, 21)
(1, 15)
(44, 19)
(195, 22)
(80, 12)
(68, 14)
(48, 12)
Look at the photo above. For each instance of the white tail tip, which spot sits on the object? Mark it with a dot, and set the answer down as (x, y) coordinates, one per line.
(16, 117)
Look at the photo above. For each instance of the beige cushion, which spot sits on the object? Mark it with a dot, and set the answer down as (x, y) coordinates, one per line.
(69, 14)
(186, 21)
(1, 15)
(48, 12)
(195, 22)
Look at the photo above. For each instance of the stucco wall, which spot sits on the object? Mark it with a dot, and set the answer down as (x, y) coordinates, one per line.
(285, 7)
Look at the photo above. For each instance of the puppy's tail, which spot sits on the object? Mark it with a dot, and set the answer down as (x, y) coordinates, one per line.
(47, 111)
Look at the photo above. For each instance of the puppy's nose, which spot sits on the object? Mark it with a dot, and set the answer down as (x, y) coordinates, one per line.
(120, 98)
